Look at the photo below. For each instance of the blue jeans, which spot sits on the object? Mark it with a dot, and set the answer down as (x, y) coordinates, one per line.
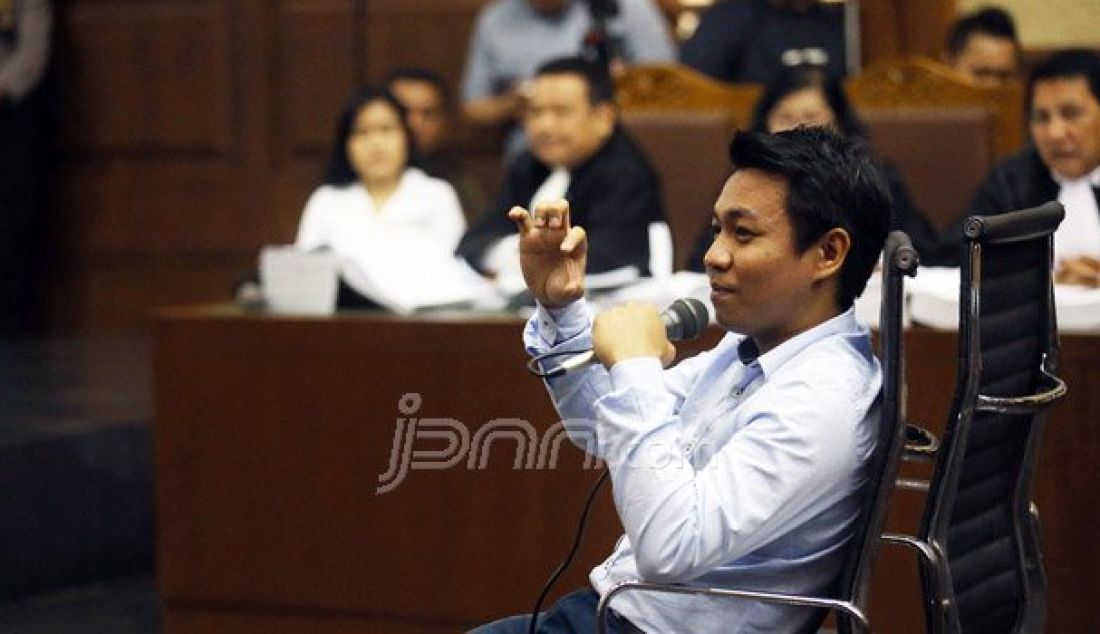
(575, 613)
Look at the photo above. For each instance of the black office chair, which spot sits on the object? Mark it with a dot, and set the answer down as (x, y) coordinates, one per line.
(850, 598)
(980, 563)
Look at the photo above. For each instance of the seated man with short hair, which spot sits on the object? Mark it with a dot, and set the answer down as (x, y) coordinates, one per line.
(427, 99)
(580, 153)
(743, 466)
(983, 46)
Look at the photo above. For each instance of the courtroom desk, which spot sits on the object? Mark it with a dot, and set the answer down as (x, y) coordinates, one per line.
(272, 432)
(270, 436)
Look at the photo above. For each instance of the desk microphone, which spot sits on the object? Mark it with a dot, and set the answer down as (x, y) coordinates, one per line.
(685, 318)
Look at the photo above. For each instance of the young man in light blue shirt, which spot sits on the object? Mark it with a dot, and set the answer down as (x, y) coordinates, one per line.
(743, 466)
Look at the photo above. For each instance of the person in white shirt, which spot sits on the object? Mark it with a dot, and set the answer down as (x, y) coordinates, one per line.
(373, 197)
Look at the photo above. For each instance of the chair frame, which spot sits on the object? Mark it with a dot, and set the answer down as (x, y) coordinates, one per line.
(941, 608)
(850, 604)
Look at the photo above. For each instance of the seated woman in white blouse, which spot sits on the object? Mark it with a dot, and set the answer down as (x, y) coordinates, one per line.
(373, 199)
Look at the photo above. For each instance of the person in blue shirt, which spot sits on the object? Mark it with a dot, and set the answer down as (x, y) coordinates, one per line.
(742, 466)
(513, 38)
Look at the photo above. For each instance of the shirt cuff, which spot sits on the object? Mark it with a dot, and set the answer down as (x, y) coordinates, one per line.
(557, 325)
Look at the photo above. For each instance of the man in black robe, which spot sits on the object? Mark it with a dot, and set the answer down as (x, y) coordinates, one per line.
(580, 153)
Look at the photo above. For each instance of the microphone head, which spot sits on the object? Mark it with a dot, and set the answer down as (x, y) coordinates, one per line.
(685, 318)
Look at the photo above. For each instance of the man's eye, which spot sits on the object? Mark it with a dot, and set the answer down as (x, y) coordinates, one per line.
(1071, 112)
(715, 229)
(743, 235)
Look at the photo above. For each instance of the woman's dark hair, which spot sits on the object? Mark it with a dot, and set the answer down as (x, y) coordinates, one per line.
(798, 78)
(339, 170)
(832, 181)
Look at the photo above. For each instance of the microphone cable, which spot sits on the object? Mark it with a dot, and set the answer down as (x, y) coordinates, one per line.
(568, 558)
(534, 364)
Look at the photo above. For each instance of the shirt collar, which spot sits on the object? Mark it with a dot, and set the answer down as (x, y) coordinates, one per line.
(772, 360)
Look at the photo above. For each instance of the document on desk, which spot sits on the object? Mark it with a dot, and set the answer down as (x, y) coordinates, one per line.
(407, 274)
(934, 301)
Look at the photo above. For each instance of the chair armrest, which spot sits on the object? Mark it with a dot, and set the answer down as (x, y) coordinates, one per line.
(846, 607)
(920, 444)
(1055, 389)
(923, 548)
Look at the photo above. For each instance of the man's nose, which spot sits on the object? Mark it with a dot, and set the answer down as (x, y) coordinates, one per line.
(716, 257)
(1058, 128)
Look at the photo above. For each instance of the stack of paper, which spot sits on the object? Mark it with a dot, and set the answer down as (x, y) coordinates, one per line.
(934, 301)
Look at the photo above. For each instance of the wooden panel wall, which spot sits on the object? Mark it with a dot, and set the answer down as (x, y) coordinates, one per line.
(194, 130)
(902, 27)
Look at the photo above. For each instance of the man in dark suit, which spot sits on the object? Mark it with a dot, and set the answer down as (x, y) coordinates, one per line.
(579, 153)
(1063, 163)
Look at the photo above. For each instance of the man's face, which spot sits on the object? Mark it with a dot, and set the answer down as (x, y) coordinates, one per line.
(427, 117)
(1065, 125)
(988, 60)
(563, 127)
(760, 284)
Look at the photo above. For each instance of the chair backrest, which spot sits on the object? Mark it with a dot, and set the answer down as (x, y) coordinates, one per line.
(918, 82)
(899, 259)
(672, 87)
(690, 151)
(943, 153)
(978, 509)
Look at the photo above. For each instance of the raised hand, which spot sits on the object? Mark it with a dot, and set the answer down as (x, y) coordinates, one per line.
(552, 253)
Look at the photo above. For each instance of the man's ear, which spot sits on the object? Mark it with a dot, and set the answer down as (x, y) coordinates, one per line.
(606, 115)
(832, 250)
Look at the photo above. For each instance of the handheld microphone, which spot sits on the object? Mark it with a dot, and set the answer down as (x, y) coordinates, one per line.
(685, 318)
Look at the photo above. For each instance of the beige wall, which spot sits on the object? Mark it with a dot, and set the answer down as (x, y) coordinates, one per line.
(1050, 23)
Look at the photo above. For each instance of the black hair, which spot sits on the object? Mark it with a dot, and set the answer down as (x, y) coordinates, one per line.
(426, 75)
(600, 88)
(991, 21)
(832, 181)
(797, 78)
(1070, 64)
(339, 170)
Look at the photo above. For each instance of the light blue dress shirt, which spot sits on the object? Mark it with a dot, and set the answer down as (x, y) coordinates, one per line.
(725, 472)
